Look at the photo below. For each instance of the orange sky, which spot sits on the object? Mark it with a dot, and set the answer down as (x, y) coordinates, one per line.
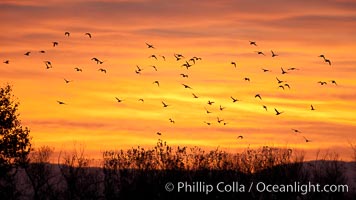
(219, 33)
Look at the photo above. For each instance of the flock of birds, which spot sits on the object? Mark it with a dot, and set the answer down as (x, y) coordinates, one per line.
(188, 63)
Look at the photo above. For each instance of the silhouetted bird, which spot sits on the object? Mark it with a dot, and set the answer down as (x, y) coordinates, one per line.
(208, 123)
(207, 111)
(265, 70)
(96, 60)
(159, 133)
(61, 102)
(154, 67)
(152, 56)
(328, 61)
(192, 60)
(253, 43)
(67, 81)
(55, 44)
(312, 107)
(322, 56)
(265, 107)
(48, 64)
(186, 86)
(27, 53)
(247, 79)
(279, 81)
(78, 69)
(233, 99)
(260, 53)
(221, 108)
(195, 96)
(287, 85)
(150, 46)
(67, 33)
(283, 72)
(295, 130)
(184, 75)
(306, 140)
(186, 64)
(42, 51)
(6, 61)
(119, 100)
(138, 68)
(141, 100)
(292, 68)
(259, 96)
(171, 120)
(281, 86)
(219, 120)
(240, 137)
(156, 82)
(333, 82)
(210, 102)
(164, 58)
(164, 104)
(322, 82)
(102, 70)
(233, 63)
(273, 54)
(88, 34)
(277, 112)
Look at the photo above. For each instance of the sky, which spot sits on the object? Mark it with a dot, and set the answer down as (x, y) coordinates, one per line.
(218, 32)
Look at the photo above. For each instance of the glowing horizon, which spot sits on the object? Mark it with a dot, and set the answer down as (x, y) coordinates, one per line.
(219, 33)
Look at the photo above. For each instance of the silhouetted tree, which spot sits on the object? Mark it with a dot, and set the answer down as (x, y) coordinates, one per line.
(14, 142)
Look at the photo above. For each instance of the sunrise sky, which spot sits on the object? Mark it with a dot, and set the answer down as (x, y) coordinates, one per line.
(217, 31)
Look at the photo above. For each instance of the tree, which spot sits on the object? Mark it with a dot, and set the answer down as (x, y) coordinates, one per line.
(14, 139)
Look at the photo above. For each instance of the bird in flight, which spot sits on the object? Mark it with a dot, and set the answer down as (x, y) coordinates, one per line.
(266, 70)
(240, 137)
(164, 58)
(171, 120)
(192, 60)
(208, 123)
(287, 85)
(273, 54)
(156, 82)
(322, 56)
(88, 34)
(137, 72)
(186, 86)
(333, 82)
(6, 61)
(260, 53)
(150, 46)
(67, 81)
(247, 79)
(207, 111)
(48, 64)
(306, 140)
(97, 60)
(322, 82)
(154, 67)
(153, 56)
(67, 33)
(138, 68)
(186, 64)
(42, 51)
(102, 70)
(234, 63)
(27, 53)
(195, 96)
(283, 72)
(55, 44)
(159, 133)
(61, 103)
(296, 130)
(219, 120)
(221, 108)
(259, 96)
(327, 61)
(277, 112)
(312, 107)
(279, 81)
(164, 104)
(253, 43)
(265, 107)
(142, 100)
(184, 75)
(210, 102)
(78, 69)
(233, 99)
(119, 100)
(292, 68)
(281, 86)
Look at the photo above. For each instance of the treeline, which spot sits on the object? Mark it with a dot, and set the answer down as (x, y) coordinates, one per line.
(140, 173)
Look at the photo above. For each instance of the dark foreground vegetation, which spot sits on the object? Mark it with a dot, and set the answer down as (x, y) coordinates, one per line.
(139, 173)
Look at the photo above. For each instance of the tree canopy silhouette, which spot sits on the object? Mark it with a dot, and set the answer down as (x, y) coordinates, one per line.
(14, 139)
